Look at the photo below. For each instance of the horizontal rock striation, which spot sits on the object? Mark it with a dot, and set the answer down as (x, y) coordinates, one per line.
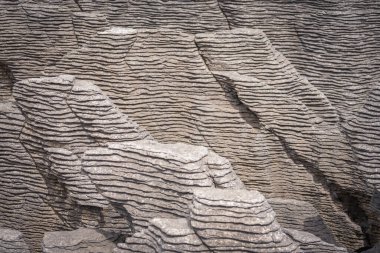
(242, 221)
(12, 241)
(194, 16)
(60, 124)
(292, 104)
(81, 241)
(286, 112)
(150, 179)
(311, 243)
(117, 178)
(23, 190)
(164, 235)
(332, 43)
(302, 216)
(220, 220)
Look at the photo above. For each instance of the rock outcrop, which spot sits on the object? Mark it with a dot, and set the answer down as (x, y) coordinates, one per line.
(12, 241)
(82, 240)
(114, 113)
(220, 221)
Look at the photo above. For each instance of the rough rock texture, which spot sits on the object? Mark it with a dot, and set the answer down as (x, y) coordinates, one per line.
(12, 241)
(104, 171)
(301, 215)
(24, 192)
(240, 221)
(148, 178)
(82, 240)
(311, 243)
(220, 220)
(283, 92)
(164, 235)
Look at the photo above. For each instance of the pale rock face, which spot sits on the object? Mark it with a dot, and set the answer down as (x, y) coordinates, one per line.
(82, 240)
(12, 241)
(237, 220)
(137, 118)
(220, 220)
(164, 235)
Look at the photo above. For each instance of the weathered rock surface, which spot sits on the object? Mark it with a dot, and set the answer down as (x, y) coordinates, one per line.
(12, 241)
(220, 220)
(149, 179)
(23, 192)
(237, 220)
(117, 178)
(302, 216)
(310, 243)
(285, 91)
(82, 240)
(164, 235)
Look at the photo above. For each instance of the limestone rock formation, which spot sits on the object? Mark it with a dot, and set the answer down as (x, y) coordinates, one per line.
(81, 240)
(301, 215)
(12, 241)
(237, 221)
(220, 220)
(158, 121)
(310, 243)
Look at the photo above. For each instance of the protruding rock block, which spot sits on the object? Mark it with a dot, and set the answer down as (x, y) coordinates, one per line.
(150, 179)
(82, 240)
(237, 220)
(12, 241)
(164, 235)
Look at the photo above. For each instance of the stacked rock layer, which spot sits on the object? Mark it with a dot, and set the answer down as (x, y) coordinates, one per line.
(276, 96)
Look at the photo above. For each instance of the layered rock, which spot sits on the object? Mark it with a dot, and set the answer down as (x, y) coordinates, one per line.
(292, 146)
(60, 125)
(220, 221)
(12, 241)
(80, 241)
(286, 107)
(23, 190)
(332, 43)
(149, 179)
(103, 186)
(310, 243)
(302, 216)
(164, 235)
(228, 221)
